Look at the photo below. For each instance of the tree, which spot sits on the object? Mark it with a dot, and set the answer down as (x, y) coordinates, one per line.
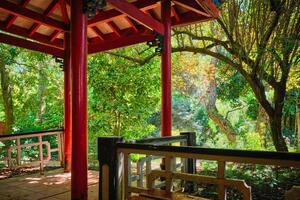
(122, 95)
(260, 42)
(7, 57)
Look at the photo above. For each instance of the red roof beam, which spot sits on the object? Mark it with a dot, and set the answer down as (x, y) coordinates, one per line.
(50, 9)
(31, 15)
(12, 18)
(16, 30)
(137, 15)
(64, 12)
(193, 6)
(209, 7)
(54, 35)
(121, 42)
(7, 39)
(115, 29)
(98, 32)
(175, 13)
(131, 23)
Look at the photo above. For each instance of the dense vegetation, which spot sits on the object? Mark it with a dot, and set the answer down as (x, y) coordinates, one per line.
(236, 83)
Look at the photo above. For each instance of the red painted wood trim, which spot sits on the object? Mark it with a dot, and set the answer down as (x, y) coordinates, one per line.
(175, 13)
(131, 23)
(12, 18)
(67, 107)
(129, 40)
(78, 33)
(166, 71)
(189, 18)
(137, 15)
(31, 15)
(16, 30)
(98, 32)
(209, 7)
(115, 29)
(54, 35)
(50, 9)
(7, 39)
(106, 16)
(64, 12)
(193, 6)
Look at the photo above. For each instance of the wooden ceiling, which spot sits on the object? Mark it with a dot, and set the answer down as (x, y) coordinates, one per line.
(45, 21)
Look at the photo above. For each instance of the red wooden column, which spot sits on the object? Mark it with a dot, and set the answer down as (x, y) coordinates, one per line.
(67, 98)
(79, 101)
(166, 110)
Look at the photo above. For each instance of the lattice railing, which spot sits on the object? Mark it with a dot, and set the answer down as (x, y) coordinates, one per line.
(14, 145)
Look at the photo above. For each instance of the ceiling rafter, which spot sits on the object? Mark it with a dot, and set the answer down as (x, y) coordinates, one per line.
(115, 29)
(193, 6)
(125, 40)
(50, 9)
(106, 16)
(98, 32)
(11, 40)
(12, 18)
(16, 30)
(31, 15)
(131, 23)
(64, 12)
(136, 14)
(175, 13)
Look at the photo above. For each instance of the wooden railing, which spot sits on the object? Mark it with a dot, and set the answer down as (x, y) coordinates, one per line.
(120, 184)
(20, 142)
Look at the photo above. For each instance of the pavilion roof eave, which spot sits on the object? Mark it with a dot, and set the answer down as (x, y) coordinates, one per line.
(114, 27)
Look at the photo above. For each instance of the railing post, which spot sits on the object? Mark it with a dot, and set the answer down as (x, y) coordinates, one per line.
(191, 163)
(41, 154)
(221, 176)
(19, 153)
(109, 178)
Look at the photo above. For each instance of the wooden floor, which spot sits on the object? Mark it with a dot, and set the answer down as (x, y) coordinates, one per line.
(54, 185)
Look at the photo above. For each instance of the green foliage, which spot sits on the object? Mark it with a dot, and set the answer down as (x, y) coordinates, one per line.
(122, 96)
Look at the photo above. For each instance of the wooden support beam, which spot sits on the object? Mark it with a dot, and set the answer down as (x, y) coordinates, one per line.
(131, 39)
(19, 11)
(11, 40)
(175, 13)
(190, 18)
(51, 8)
(12, 18)
(209, 7)
(106, 16)
(98, 32)
(131, 23)
(78, 33)
(64, 12)
(54, 35)
(193, 6)
(137, 15)
(115, 29)
(166, 71)
(16, 30)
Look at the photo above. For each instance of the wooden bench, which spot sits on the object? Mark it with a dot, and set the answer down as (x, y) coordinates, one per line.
(163, 195)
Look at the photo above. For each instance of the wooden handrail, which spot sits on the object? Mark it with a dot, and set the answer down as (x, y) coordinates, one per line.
(40, 144)
(29, 133)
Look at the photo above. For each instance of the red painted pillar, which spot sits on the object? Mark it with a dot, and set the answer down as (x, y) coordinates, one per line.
(67, 98)
(79, 101)
(166, 110)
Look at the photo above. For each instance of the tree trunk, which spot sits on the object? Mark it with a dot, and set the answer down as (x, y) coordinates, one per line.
(298, 126)
(277, 137)
(7, 97)
(222, 123)
(261, 125)
(42, 97)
